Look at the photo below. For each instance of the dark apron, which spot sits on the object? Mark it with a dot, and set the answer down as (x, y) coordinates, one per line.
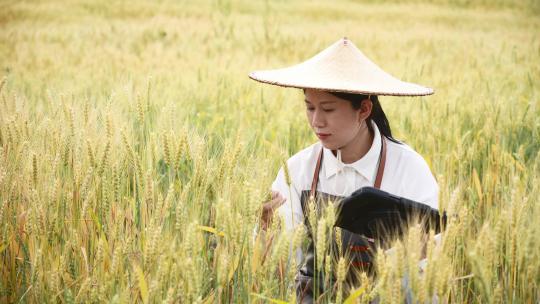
(359, 247)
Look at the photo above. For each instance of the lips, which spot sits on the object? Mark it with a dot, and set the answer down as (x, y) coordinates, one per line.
(323, 135)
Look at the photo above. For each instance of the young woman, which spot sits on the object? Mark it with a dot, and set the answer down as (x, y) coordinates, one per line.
(355, 147)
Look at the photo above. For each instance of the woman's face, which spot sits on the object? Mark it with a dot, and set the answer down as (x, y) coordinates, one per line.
(335, 122)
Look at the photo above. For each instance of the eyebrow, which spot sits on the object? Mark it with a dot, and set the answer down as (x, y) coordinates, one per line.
(322, 102)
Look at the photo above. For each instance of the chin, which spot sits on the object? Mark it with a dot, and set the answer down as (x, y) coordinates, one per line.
(329, 146)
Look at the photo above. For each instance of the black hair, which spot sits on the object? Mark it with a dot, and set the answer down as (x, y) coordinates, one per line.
(377, 114)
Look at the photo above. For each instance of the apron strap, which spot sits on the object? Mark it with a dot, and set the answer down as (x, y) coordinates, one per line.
(316, 175)
(382, 162)
(378, 178)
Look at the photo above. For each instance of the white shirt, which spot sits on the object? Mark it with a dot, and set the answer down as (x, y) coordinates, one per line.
(406, 174)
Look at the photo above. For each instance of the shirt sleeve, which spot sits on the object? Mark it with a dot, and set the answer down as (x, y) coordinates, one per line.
(421, 185)
(291, 210)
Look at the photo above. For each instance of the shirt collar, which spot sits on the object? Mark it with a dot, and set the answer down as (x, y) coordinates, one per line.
(366, 165)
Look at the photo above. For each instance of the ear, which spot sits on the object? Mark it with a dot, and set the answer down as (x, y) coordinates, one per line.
(365, 110)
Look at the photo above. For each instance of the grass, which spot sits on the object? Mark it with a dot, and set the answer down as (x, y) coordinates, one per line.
(135, 152)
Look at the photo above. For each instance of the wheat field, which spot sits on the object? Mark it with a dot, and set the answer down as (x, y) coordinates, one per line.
(135, 153)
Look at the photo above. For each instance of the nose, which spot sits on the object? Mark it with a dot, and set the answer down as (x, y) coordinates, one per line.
(317, 120)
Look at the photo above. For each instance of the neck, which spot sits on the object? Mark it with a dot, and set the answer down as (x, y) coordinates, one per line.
(358, 147)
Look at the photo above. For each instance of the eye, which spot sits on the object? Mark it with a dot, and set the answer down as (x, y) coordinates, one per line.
(328, 110)
(310, 109)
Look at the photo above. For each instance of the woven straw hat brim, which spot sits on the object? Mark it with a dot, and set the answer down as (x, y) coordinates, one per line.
(342, 67)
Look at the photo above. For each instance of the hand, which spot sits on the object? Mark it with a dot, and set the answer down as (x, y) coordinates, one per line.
(268, 209)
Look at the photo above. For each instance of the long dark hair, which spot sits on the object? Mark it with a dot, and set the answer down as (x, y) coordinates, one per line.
(377, 114)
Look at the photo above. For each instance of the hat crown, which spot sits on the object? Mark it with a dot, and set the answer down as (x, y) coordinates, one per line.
(341, 67)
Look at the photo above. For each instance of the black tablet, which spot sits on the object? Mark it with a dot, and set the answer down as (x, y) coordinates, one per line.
(378, 214)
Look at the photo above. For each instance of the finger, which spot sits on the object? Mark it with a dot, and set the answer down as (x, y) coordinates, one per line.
(273, 204)
(275, 194)
(278, 201)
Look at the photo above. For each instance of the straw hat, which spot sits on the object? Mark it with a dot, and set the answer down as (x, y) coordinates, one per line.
(342, 67)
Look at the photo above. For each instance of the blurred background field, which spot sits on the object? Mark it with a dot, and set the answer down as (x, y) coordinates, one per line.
(135, 152)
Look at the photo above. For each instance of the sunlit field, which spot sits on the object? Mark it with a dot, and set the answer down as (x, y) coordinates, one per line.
(135, 153)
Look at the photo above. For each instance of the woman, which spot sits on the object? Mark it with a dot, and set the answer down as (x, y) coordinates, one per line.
(355, 148)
